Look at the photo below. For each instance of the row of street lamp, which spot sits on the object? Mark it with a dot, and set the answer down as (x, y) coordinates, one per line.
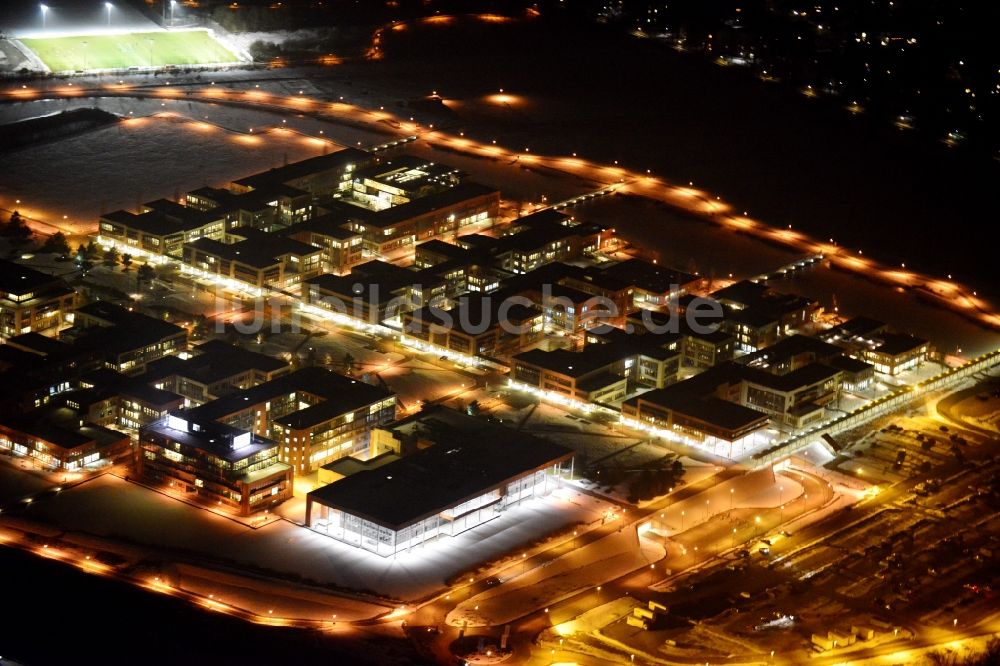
(108, 7)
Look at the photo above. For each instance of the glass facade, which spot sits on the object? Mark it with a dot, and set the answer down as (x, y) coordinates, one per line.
(450, 521)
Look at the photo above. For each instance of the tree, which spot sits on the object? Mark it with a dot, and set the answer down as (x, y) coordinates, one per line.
(145, 273)
(16, 229)
(199, 326)
(56, 244)
(348, 363)
(110, 257)
(126, 261)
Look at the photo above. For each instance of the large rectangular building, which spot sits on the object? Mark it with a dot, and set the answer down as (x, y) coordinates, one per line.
(127, 340)
(605, 371)
(57, 440)
(213, 370)
(31, 301)
(442, 213)
(159, 229)
(215, 464)
(255, 258)
(315, 415)
(473, 473)
(322, 175)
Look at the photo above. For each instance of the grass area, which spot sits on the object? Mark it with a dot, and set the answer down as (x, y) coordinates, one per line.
(137, 49)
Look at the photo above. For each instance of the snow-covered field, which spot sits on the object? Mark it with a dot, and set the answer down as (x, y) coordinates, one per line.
(139, 160)
(15, 484)
(108, 506)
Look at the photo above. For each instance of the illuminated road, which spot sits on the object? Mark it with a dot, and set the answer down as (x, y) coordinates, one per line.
(944, 292)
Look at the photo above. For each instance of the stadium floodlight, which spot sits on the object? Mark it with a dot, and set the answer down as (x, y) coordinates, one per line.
(45, 10)
(108, 6)
(173, 3)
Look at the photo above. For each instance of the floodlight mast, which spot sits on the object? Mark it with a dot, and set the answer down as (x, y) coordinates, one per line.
(45, 10)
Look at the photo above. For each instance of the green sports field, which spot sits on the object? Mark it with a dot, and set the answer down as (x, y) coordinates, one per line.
(136, 49)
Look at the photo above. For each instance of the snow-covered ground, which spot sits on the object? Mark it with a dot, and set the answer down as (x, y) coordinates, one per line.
(16, 484)
(71, 182)
(108, 506)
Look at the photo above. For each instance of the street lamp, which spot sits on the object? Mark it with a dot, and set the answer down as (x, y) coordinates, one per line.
(45, 10)
(108, 6)
(732, 491)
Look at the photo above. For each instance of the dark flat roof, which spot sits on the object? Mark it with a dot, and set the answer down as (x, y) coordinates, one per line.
(350, 465)
(744, 292)
(60, 426)
(18, 279)
(214, 438)
(150, 394)
(338, 395)
(575, 364)
(216, 360)
(711, 410)
(858, 326)
(807, 375)
(793, 345)
(649, 277)
(258, 252)
(388, 277)
(442, 248)
(163, 219)
(534, 237)
(477, 242)
(895, 344)
(474, 309)
(330, 224)
(281, 175)
(39, 344)
(750, 316)
(849, 365)
(226, 201)
(460, 466)
(544, 217)
(657, 318)
(125, 330)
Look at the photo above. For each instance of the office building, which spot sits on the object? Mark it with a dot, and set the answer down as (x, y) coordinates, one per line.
(474, 471)
(213, 464)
